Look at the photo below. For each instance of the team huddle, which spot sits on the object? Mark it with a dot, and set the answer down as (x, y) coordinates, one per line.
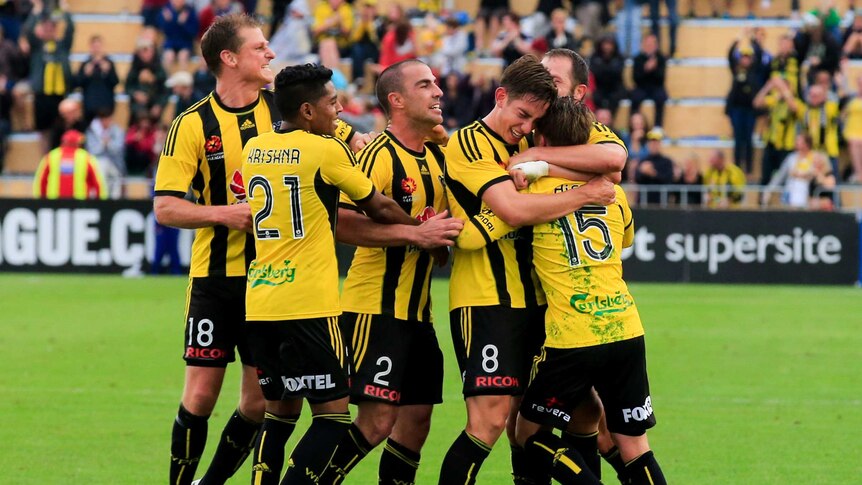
(545, 332)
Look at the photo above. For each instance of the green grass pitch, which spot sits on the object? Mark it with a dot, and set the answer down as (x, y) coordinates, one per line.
(751, 384)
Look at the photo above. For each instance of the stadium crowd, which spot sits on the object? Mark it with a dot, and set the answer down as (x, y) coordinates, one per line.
(164, 78)
(800, 90)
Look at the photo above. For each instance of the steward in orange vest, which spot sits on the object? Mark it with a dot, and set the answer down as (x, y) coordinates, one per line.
(69, 172)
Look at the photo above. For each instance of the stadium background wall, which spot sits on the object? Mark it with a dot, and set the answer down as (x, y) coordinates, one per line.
(670, 245)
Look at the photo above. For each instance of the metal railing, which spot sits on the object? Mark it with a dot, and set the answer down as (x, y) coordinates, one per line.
(845, 198)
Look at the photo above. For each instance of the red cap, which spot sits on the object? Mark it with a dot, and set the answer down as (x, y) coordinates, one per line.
(72, 138)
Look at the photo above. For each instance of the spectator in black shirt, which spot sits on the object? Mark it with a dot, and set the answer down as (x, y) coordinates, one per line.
(740, 106)
(607, 65)
(97, 78)
(649, 72)
(655, 168)
(511, 44)
(559, 37)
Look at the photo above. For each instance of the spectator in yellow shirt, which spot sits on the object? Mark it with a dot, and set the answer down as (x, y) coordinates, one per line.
(724, 182)
(333, 22)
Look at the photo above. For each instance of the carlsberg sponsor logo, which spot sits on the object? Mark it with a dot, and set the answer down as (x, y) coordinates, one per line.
(796, 247)
(271, 275)
(600, 305)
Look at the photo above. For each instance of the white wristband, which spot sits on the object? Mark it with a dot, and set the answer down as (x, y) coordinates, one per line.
(533, 170)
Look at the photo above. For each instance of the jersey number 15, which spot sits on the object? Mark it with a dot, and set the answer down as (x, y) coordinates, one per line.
(583, 225)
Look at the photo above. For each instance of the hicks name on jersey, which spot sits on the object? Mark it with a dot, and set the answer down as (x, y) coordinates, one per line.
(281, 156)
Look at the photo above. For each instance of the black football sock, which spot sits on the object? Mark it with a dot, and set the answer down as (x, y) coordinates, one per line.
(268, 456)
(566, 465)
(314, 451)
(351, 450)
(588, 447)
(236, 442)
(463, 460)
(188, 438)
(398, 464)
(644, 470)
(615, 460)
(524, 472)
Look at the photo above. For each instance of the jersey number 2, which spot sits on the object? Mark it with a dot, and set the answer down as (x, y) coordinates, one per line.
(292, 183)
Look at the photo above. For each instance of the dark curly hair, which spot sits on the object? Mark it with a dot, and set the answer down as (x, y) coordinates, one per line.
(527, 78)
(296, 85)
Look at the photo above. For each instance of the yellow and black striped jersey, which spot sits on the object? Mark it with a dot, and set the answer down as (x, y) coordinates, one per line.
(343, 131)
(578, 260)
(396, 281)
(293, 181)
(600, 133)
(203, 152)
(783, 122)
(501, 272)
(823, 124)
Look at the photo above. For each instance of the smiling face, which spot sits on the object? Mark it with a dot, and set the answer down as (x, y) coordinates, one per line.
(325, 111)
(254, 55)
(516, 116)
(420, 94)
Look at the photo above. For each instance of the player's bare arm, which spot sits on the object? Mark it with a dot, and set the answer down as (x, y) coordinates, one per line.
(360, 230)
(359, 140)
(516, 209)
(601, 158)
(176, 212)
(385, 210)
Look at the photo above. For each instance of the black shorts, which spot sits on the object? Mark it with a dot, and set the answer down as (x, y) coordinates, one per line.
(394, 361)
(563, 378)
(215, 322)
(495, 346)
(300, 358)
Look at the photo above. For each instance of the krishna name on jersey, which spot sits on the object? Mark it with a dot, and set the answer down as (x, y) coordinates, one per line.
(396, 281)
(293, 181)
(577, 258)
(501, 272)
(203, 152)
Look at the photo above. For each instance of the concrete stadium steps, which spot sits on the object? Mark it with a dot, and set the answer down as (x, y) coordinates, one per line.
(684, 118)
(120, 32)
(113, 7)
(21, 187)
(712, 38)
(698, 78)
(24, 153)
(776, 8)
(16, 187)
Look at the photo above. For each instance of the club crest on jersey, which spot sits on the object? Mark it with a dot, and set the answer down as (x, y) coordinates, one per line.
(213, 144)
(213, 148)
(408, 186)
(237, 187)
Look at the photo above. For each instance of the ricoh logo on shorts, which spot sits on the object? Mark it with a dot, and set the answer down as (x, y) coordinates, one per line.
(322, 381)
(640, 413)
